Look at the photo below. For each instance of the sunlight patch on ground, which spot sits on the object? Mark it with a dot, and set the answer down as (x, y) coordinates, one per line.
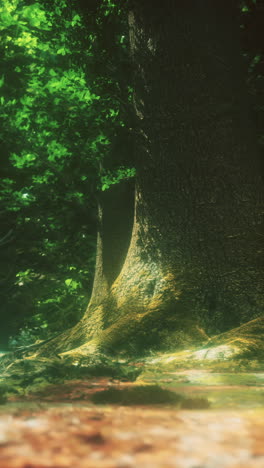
(165, 358)
(218, 352)
(221, 352)
(202, 377)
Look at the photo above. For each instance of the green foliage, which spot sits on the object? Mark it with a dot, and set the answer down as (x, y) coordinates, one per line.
(60, 115)
(110, 178)
(56, 114)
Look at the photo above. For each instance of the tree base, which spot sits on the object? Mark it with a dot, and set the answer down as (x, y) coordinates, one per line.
(245, 343)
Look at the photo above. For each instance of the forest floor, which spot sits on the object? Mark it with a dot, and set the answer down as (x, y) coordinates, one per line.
(194, 418)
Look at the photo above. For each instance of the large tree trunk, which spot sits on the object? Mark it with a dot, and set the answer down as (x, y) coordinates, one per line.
(183, 249)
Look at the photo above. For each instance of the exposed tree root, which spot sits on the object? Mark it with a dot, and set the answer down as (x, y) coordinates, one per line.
(244, 342)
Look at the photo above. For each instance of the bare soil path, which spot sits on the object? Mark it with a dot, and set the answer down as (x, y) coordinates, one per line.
(203, 421)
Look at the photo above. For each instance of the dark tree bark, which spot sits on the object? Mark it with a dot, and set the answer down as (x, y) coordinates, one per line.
(189, 257)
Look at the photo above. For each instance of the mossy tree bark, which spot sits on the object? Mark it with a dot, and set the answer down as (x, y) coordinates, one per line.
(183, 247)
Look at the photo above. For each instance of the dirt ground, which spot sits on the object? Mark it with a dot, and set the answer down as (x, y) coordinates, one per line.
(124, 437)
(102, 423)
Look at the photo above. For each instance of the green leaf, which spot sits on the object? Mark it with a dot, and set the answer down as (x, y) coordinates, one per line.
(62, 51)
(72, 284)
(76, 20)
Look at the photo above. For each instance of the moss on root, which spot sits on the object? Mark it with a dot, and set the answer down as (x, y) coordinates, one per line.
(248, 339)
